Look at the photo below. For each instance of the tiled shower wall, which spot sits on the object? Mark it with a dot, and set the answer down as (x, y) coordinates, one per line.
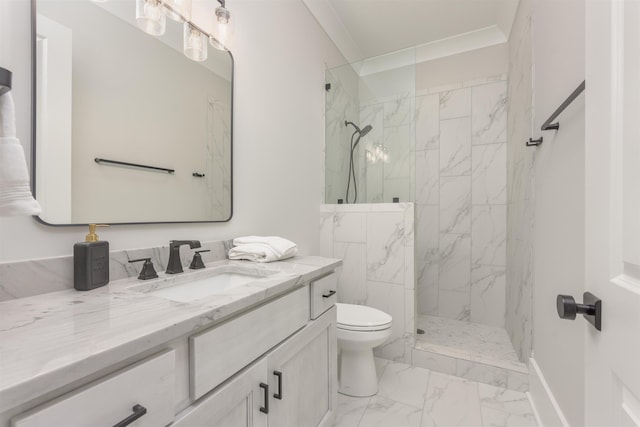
(460, 196)
(520, 185)
(391, 120)
(376, 245)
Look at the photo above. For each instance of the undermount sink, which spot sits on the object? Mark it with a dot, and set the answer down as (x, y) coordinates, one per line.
(216, 282)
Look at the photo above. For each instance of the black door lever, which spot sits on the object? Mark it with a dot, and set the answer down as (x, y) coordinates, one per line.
(591, 309)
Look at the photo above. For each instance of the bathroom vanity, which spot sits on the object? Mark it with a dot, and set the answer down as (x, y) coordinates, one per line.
(260, 351)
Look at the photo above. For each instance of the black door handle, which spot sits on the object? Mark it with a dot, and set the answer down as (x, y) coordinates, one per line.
(278, 395)
(329, 294)
(265, 408)
(591, 309)
(138, 411)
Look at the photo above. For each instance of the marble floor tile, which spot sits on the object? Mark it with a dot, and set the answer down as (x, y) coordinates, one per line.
(448, 401)
(384, 412)
(495, 418)
(404, 383)
(451, 402)
(350, 410)
(489, 345)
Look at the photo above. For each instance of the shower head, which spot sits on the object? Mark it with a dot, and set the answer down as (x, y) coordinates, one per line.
(365, 130)
(362, 132)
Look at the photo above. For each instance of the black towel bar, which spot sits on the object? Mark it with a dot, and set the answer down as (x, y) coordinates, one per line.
(548, 125)
(135, 165)
(5, 80)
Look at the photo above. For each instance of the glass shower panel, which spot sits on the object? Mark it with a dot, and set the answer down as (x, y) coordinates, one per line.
(371, 159)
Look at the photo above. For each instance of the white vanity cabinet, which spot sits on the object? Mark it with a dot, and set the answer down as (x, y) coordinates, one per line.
(271, 364)
(303, 376)
(293, 385)
(142, 393)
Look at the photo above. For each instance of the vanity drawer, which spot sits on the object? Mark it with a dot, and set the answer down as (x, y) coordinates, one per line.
(218, 353)
(323, 294)
(108, 401)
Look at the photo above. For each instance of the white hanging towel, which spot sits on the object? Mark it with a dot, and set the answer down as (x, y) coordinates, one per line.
(15, 191)
(262, 248)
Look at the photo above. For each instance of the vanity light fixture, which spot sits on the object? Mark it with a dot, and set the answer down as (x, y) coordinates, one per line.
(195, 43)
(151, 17)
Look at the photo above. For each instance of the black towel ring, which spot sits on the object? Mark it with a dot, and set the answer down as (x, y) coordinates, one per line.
(5, 80)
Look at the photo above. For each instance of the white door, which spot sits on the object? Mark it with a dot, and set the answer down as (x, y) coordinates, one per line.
(613, 211)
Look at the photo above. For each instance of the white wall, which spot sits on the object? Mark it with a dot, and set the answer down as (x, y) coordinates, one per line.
(281, 54)
(558, 40)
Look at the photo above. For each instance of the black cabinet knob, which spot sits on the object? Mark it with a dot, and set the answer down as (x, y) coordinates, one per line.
(591, 309)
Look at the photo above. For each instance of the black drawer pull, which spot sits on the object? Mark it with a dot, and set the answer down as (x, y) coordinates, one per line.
(330, 294)
(265, 408)
(278, 395)
(138, 411)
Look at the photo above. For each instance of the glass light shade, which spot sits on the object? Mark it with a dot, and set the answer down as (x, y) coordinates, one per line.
(150, 17)
(195, 43)
(181, 10)
(223, 29)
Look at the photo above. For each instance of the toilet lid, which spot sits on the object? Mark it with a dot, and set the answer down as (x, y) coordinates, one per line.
(361, 317)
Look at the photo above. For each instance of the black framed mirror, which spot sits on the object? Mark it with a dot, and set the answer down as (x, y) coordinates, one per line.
(126, 128)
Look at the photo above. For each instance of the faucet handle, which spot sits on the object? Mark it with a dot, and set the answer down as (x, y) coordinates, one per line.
(148, 271)
(196, 262)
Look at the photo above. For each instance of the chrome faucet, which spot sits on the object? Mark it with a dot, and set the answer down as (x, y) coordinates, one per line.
(175, 265)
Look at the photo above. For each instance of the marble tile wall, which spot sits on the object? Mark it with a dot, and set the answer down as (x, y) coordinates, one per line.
(376, 244)
(393, 133)
(520, 186)
(461, 197)
(34, 277)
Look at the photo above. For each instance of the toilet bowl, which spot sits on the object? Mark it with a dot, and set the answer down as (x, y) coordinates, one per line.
(360, 329)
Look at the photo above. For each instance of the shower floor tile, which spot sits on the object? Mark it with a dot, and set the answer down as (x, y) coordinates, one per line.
(469, 341)
(469, 350)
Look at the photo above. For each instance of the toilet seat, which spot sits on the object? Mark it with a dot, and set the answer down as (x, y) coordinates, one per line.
(354, 317)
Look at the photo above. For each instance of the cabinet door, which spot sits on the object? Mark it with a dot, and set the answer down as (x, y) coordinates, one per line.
(235, 404)
(144, 389)
(303, 372)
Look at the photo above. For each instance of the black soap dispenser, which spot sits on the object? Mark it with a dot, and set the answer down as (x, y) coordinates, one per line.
(90, 262)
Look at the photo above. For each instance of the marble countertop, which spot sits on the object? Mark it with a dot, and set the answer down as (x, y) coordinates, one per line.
(54, 339)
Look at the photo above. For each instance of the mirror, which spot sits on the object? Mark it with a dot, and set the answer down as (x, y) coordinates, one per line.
(106, 90)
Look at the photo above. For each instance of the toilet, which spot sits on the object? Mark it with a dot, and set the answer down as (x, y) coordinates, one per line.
(360, 329)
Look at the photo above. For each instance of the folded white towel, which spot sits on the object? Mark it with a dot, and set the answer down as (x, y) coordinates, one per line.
(15, 191)
(279, 245)
(7, 115)
(262, 249)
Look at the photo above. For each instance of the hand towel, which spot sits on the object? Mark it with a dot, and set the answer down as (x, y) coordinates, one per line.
(262, 249)
(15, 191)
(279, 245)
(7, 116)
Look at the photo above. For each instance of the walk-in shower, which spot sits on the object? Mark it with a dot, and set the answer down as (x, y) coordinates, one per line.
(440, 144)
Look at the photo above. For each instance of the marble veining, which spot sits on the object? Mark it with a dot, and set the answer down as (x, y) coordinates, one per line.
(34, 277)
(461, 197)
(378, 271)
(520, 185)
(411, 396)
(48, 341)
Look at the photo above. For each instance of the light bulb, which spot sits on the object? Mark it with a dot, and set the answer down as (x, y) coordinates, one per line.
(150, 17)
(178, 10)
(195, 43)
(223, 29)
